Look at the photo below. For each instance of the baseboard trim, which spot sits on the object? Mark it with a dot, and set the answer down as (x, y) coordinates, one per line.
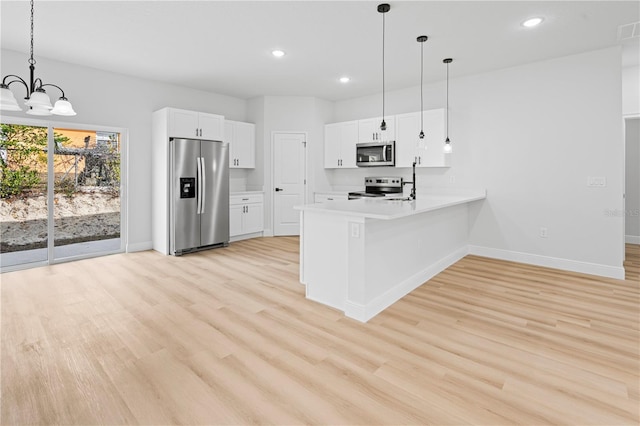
(364, 313)
(549, 262)
(133, 247)
(632, 239)
(245, 237)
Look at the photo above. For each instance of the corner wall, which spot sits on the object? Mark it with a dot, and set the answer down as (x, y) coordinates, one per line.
(287, 114)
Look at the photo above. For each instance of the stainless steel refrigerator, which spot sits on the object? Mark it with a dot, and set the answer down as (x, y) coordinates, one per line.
(199, 208)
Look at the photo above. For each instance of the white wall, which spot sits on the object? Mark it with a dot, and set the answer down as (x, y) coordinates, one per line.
(531, 135)
(631, 91)
(108, 99)
(287, 114)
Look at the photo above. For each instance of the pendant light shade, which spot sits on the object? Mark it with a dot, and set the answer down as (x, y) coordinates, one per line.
(8, 101)
(39, 99)
(383, 8)
(63, 107)
(39, 110)
(447, 143)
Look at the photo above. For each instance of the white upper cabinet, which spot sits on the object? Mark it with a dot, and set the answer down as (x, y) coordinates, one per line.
(369, 130)
(340, 145)
(193, 124)
(242, 144)
(408, 128)
(427, 152)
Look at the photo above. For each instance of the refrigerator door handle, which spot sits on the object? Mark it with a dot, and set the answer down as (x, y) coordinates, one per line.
(199, 184)
(203, 191)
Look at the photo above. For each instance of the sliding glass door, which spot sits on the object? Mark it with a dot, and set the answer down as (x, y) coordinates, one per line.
(61, 193)
(24, 207)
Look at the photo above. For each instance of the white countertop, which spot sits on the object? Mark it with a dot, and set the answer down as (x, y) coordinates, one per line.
(377, 208)
(245, 192)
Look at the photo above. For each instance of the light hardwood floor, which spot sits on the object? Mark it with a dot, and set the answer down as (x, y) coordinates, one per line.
(227, 337)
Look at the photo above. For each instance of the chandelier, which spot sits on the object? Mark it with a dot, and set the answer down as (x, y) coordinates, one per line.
(37, 99)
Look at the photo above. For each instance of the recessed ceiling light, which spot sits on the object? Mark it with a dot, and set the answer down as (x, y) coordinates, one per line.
(277, 53)
(344, 79)
(532, 22)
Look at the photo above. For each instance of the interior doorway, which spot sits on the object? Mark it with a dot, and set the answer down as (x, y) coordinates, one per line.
(289, 179)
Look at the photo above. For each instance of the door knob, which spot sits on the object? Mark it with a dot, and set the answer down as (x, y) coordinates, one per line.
(279, 189)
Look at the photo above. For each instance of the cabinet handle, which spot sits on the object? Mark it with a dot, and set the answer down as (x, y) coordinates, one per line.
(420, 159)
(247, 209)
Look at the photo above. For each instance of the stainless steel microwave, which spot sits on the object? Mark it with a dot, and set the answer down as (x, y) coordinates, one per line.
(373, 154)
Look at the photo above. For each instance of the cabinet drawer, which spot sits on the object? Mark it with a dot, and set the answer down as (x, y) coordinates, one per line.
(245, 199)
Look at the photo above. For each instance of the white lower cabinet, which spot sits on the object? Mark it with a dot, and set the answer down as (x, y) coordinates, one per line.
(246, 216)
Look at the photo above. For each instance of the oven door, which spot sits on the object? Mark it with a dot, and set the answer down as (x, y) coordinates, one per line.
(375, 154)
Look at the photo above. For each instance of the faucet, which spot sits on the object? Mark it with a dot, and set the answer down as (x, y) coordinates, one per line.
(412, 196)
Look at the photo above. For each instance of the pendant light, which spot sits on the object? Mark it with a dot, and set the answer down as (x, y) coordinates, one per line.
(447, 142)
(36, 99)
(383, 8)
(421, 40)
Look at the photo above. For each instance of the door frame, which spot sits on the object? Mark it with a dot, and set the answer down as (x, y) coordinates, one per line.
(124, 174)
(271, 196)
(624, 179)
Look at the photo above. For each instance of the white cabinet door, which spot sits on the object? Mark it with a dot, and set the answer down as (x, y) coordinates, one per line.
(332, 142)
(242, 144)
(246, 214)
(183, 123)
(434, 130)
(348, 138)
(193, 124)
(235, 220)
(369, 130)
(253, 218)
(427, 152)
(407, 141)
(211, 126)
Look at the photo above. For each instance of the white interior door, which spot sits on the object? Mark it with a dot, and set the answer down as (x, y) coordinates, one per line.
(289, 171)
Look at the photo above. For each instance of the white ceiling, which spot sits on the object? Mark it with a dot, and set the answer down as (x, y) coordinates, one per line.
(224, 46)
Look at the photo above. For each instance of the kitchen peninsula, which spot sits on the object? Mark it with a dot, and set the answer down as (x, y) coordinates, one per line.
(361, 256)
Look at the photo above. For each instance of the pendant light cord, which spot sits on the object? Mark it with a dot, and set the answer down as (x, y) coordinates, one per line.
(447, 100)
(383, 22)
(421, 78)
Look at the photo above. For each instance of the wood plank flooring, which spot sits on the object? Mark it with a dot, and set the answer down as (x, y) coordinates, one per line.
(227, 337)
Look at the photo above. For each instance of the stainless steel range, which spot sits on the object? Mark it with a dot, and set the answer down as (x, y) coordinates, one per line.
(379, 187)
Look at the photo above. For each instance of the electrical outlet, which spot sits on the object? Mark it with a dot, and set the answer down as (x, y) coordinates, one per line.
(543, 232)
(355, 230)
(452, 179)
(596, 182)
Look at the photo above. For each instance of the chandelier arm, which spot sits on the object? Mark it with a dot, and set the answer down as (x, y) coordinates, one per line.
(53, 85)
(18, 79)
